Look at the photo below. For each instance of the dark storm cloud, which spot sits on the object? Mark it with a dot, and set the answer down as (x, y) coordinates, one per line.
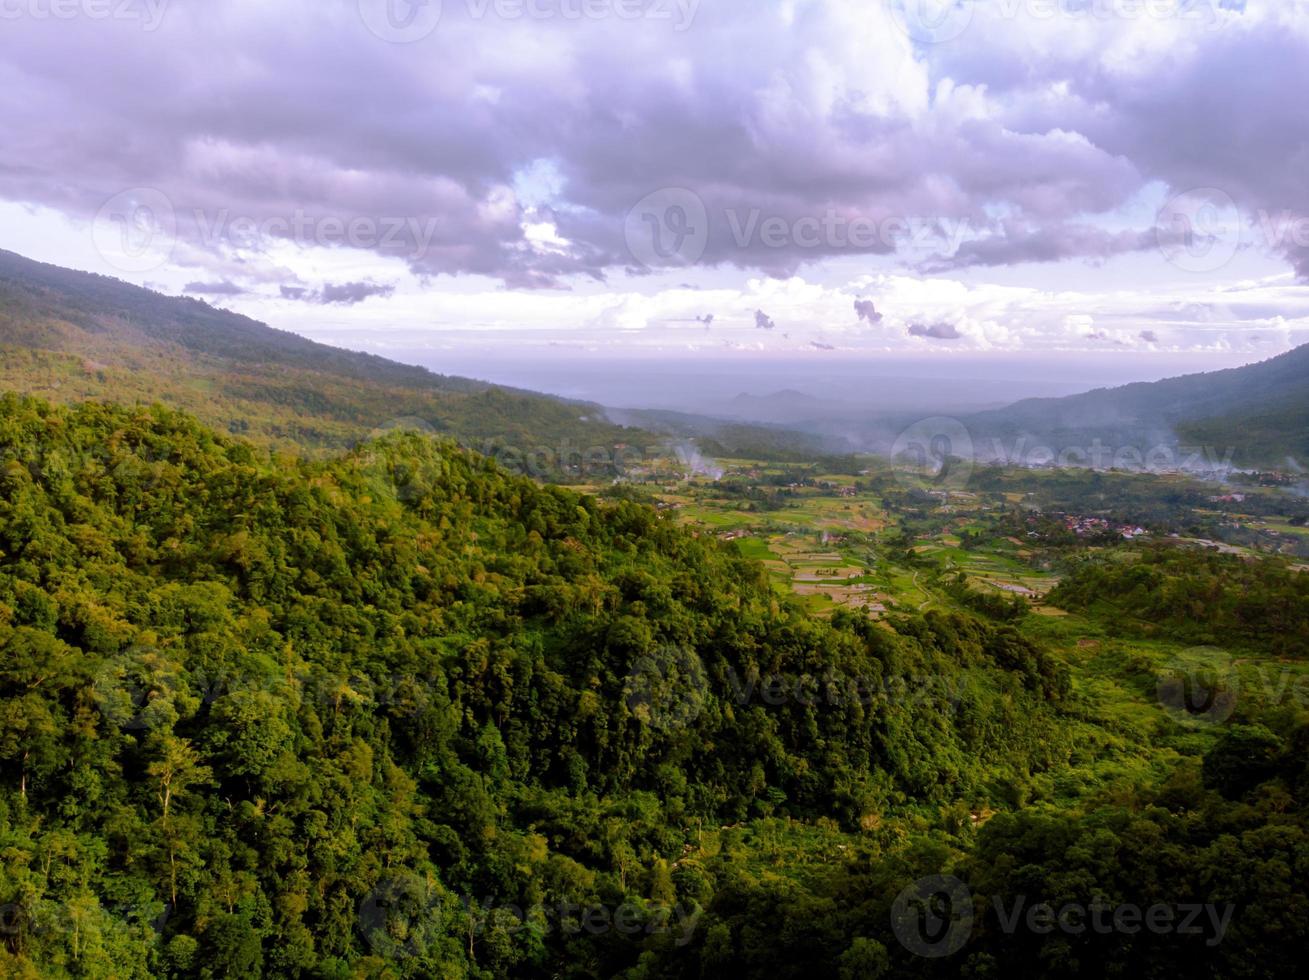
(935, 331)
(294, 120)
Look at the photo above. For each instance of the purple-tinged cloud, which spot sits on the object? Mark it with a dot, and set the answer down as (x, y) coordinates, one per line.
(867, 312)
(941, 330)
(324, 136)
(223, 288)
(763, 321)
(1054, 243)
(1157, 107)
(337, 294)
(350, 293)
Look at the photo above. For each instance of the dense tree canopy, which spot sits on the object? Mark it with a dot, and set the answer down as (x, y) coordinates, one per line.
(1199, 595)
(251, 706)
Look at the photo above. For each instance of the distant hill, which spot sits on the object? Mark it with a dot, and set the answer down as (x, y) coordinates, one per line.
(780, 406)
(72, 336)
(728, 437)
(1261, 411)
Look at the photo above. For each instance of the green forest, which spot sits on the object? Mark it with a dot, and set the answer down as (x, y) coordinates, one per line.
(402, 713)
(1196, 596)
(654, 490)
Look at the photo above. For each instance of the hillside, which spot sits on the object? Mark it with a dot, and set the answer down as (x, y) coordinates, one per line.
(249, 709)
(1259, 410)
(399, 713)
(71, 336)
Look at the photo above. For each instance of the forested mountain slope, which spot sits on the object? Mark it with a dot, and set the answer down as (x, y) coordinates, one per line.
(69, 336)
(239, 695)
(1259, 410)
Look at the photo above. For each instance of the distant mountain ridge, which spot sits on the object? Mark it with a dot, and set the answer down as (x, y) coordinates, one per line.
(101, 305)
(71, 336)
(1261, 411)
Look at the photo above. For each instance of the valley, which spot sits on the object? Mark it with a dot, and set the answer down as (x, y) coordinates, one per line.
(396, 702)
(654, 490)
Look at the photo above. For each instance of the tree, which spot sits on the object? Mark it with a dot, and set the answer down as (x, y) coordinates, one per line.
(176, 768)
(1244, 757)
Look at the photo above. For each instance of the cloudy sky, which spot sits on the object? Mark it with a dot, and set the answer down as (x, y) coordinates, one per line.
(824, 177)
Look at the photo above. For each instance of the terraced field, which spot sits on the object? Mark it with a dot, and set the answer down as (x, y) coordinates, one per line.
(827, 543)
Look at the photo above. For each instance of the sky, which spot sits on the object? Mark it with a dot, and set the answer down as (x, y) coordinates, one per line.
(818, 182)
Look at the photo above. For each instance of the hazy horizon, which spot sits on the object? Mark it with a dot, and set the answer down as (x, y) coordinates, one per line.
(706, 383)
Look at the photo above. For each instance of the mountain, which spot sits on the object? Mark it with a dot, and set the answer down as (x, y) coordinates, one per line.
(780, 406)
(1260, 411)
(71, 336)
(278, 718)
